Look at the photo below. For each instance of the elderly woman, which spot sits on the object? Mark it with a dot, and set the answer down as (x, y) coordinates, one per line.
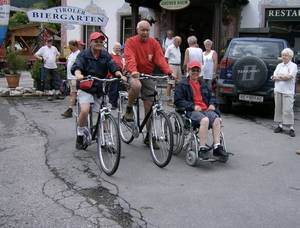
(210, 61)
(284, 91)
(193, 52)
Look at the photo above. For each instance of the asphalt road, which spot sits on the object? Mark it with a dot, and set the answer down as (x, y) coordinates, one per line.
(46, 182)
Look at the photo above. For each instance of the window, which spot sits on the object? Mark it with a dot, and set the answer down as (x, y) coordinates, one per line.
(125, 28)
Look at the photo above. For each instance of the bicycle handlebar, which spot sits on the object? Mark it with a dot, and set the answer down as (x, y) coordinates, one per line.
(89, 77)
(154, 77)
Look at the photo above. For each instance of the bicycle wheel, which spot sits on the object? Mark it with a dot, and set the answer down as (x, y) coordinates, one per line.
(109, 145)
(178, 131)
(161, 139)
(126, 130)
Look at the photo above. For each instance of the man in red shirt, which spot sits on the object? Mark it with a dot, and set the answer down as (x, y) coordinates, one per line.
(141, 54)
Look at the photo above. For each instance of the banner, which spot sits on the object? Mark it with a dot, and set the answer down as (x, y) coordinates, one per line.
(4, 16)
(67, 15)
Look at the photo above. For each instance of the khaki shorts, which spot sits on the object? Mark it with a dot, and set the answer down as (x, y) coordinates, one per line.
(176, 70)
(148, 88)
(72, 83)
(84, 97)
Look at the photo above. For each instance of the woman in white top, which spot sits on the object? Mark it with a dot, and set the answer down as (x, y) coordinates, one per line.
(284, 91)
(210, 62)
(193, 52)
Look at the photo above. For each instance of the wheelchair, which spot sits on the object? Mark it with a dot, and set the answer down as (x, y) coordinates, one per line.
(186, 138)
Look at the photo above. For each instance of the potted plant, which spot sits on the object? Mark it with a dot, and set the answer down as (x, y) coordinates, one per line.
(15, 64)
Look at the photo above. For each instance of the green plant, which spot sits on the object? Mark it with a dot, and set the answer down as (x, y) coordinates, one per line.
(15, 63)
(36, 70)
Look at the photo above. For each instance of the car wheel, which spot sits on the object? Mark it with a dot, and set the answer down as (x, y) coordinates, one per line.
(249, 73)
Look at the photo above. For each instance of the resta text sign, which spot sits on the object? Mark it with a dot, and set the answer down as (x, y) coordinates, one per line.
(68, 15)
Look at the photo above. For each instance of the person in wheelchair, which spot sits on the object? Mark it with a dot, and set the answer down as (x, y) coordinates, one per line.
(195, 96)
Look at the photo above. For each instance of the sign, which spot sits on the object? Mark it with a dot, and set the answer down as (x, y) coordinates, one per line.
(174, 5)
(67, 15)
(4, 16)
(69, 27)
(285, 14)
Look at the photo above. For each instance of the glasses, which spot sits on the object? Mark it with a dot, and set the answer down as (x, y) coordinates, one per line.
(197, 71)
(98, 42)
(144, 30)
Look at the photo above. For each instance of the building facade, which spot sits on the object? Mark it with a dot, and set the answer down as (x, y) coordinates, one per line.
(218, 20)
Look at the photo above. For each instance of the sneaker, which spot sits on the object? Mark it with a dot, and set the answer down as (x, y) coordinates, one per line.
(298, 152)
(220, 152)
(278, 129)
(67, 113)
(59, 96)
(202, 153)
(79, 142)
(170, 103)
(292, 133)
(155, 145)
(50, 98)
(128, 116)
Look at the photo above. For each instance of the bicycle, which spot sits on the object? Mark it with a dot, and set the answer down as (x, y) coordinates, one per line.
(160, 128)
(105, 132)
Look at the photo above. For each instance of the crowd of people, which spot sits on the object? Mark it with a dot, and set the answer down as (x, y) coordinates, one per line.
(193, 79)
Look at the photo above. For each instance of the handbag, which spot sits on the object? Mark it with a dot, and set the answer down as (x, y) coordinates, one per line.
(86, 84)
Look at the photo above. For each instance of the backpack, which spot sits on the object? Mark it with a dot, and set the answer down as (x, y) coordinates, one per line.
(65, 88)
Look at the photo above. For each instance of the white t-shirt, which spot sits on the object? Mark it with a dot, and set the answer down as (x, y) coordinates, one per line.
(173, 54)
(49, 54)
(287, 87)
(70, 61)
(168, 42)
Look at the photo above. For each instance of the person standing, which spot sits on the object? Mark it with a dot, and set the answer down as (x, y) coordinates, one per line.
(168, 41)
(73, 45)
(284, 91)
(173, 57)
(141, 54)
(210, 62)
(193, 52)
(115, 86)
(49, 55)
(96, 62)
(81, 45)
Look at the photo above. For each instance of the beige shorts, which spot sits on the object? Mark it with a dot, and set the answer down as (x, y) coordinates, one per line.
(176, 70)
(72, 83)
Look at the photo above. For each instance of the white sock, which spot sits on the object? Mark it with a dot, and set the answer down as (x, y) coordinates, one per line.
(292, 128)
(80, 131)
(280, 125)
(216, 145)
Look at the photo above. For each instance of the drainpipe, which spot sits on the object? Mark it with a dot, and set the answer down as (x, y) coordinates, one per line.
(135, 17)
(217, 25)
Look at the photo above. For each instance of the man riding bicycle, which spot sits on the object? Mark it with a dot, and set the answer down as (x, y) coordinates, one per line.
(141, 54)
(96, 62)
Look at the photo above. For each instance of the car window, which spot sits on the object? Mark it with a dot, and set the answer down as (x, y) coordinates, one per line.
(261, 49)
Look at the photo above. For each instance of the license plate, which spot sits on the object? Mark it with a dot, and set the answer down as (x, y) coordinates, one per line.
(246, 97)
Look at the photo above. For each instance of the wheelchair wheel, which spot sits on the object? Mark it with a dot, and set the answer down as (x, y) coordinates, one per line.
(191, 158)
(178, 131)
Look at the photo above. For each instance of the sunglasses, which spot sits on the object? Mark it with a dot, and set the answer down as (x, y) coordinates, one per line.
(195, 70)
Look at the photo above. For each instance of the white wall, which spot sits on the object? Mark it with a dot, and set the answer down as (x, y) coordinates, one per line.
(250, 15)
(111, 9)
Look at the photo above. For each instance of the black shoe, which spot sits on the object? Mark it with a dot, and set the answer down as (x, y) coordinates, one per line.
(278, 129)
(155, 145)
(220, 152)
(50, 98)
(202, 153)
(292, 133)
(128, 116)
(79, 142)
(67, 113)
